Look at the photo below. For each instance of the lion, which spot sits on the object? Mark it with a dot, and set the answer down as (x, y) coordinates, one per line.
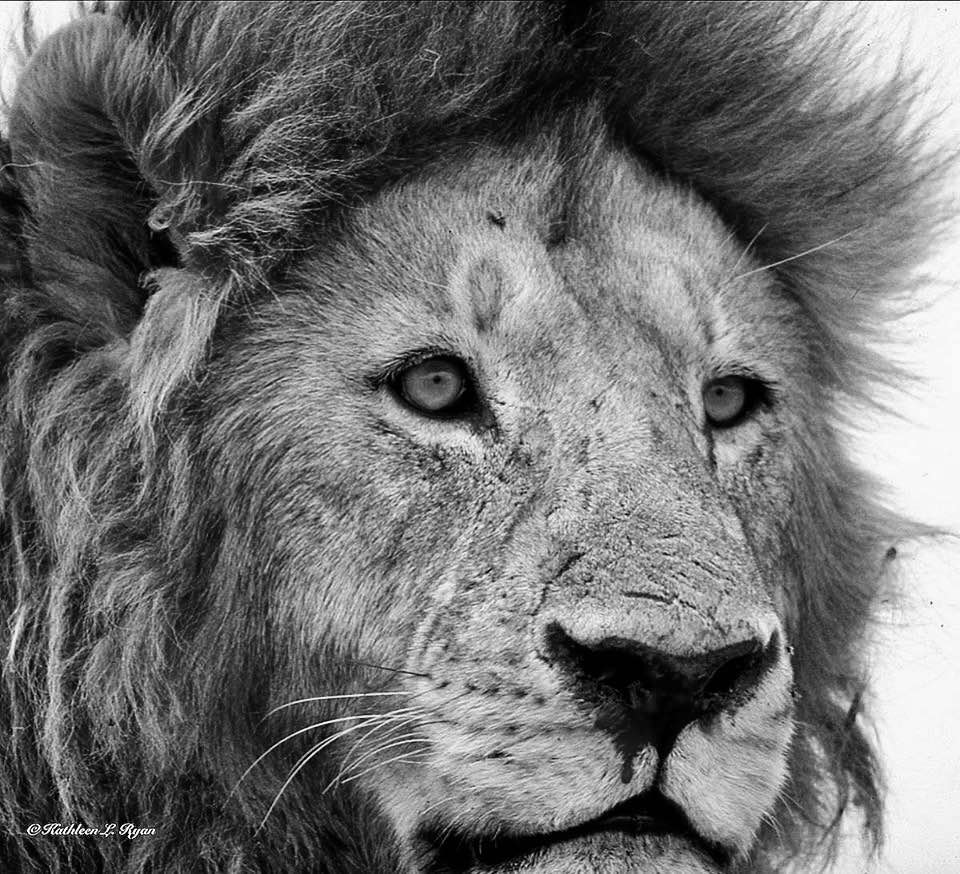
(421, 441)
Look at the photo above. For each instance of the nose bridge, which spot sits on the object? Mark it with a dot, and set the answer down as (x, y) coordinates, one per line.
(639, 475)
(651, 546)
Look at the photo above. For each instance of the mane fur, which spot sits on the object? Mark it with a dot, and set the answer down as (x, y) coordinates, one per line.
(167, 162)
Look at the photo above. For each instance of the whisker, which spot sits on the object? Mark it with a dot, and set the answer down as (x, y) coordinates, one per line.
(305, 759)
(407, 739)
(385, 668)
(348, 765)
(302, 762)
(795, 257)
(746, 251)
(330, 698)
(397, 726)
(378, 765)
(300, 731)
(359, 741)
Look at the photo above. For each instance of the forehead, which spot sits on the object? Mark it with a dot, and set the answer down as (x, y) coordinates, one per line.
(565, 240)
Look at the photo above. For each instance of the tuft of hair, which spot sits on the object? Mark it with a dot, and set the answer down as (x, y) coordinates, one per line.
(165, 160)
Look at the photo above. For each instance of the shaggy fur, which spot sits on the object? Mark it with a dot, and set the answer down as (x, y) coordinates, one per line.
(166, 165)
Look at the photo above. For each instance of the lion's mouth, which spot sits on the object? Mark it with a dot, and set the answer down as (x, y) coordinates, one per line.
(646, 815)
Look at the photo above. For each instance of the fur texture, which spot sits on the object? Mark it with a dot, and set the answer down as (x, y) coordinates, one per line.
(171, 171)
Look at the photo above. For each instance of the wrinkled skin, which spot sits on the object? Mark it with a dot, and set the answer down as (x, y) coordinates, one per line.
(585, 506)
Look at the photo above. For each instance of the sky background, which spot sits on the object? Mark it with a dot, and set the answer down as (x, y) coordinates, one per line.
(916, 652)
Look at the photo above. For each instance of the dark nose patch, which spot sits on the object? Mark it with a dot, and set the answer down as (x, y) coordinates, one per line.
(643, 696)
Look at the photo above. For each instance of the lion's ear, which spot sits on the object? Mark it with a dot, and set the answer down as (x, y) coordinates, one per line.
(75, 129)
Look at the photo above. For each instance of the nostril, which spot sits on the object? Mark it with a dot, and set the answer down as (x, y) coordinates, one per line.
(727, 677)
(739, 674)
(644, 695)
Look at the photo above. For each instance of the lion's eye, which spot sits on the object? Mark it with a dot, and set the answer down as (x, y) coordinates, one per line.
(436, 386)
(727, 398)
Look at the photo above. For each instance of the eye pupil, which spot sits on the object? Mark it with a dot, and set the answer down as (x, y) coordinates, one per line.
(434, 385)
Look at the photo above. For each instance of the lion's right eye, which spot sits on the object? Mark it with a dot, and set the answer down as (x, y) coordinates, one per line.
(438, 386)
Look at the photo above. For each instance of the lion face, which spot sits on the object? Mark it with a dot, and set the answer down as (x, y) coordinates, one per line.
(509, 504)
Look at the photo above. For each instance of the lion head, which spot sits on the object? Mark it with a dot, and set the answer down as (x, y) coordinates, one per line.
(420, 442)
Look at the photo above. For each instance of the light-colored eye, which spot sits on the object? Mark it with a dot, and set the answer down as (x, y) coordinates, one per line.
(725, 399)
(434, 386)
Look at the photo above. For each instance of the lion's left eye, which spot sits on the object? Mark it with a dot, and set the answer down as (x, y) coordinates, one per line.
(436, 386)
(727, 399)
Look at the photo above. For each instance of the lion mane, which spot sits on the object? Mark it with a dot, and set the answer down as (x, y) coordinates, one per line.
(166, 167)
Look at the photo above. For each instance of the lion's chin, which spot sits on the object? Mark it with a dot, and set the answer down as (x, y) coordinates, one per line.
(636, 836)
(602, 853)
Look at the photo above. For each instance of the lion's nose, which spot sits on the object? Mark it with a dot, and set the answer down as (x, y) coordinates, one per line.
(645, 696)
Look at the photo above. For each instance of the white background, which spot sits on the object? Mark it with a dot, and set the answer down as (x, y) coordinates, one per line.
(917, 650)
(917, 655)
